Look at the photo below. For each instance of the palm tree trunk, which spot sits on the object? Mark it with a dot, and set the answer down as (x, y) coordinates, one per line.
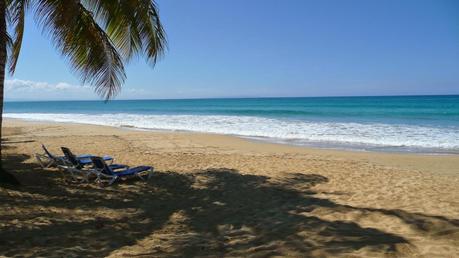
(5, 177)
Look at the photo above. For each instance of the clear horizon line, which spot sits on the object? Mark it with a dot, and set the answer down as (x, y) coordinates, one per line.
(260, 97)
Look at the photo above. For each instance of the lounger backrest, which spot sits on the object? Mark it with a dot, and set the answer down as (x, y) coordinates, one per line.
(47, 152)
(69, 155)
(100, 164)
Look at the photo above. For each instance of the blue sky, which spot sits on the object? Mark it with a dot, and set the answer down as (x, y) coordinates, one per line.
(266, 48)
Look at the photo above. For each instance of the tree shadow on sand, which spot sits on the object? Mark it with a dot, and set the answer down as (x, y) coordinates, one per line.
(213, 212)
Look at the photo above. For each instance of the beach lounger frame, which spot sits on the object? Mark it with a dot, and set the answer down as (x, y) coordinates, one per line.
(81, 160)
(77, 166)
(83, 175)
(48, 160)
(104, 172)
(77, 174)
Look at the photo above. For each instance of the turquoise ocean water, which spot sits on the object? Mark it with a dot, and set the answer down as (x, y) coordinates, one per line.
(403, 123)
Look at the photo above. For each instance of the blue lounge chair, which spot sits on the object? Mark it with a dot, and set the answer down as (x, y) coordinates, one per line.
(48, 159)
(105, 171)
(78, 167)
(81, 160)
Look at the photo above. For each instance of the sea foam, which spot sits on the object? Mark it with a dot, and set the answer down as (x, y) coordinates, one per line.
(350, 134)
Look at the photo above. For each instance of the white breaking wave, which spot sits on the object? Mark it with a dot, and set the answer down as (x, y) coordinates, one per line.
(343, 133)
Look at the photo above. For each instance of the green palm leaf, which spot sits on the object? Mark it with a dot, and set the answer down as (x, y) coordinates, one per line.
(16, 13)
(133, 25)
(89, 49)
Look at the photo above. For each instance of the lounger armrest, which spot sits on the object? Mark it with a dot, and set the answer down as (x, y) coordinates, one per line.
(107, 158)
(118, 166)
(84, 156)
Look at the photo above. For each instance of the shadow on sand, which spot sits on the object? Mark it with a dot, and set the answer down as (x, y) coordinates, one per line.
(213, 212)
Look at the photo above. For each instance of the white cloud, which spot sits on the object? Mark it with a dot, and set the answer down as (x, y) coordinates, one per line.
(25, 85)
(17, 89)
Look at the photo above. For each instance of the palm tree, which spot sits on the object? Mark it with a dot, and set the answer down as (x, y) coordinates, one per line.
(96, 36)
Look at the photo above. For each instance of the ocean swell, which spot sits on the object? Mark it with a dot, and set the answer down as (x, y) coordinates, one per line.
(443, 139)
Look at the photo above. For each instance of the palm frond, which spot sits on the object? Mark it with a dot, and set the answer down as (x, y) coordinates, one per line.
(79, 37)
(133, 25)
(16, 19)
(9, 41)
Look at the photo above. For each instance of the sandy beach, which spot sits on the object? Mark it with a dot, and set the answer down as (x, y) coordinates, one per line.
(223, 196)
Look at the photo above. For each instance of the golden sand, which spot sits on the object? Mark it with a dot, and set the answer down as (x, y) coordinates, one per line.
(222, 196)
